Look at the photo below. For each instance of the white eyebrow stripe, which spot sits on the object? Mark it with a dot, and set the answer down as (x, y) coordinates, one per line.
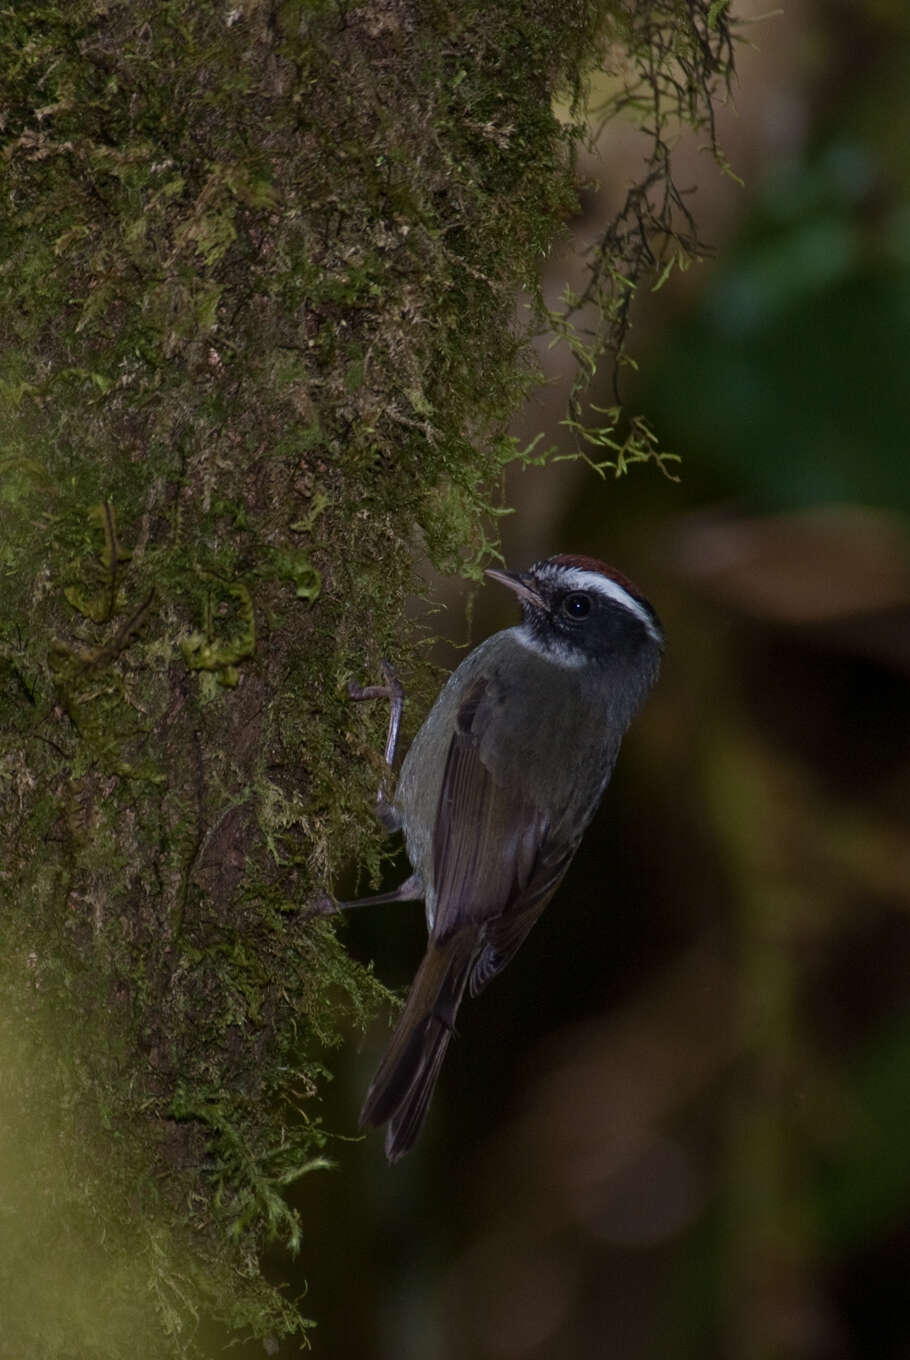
(578, 579)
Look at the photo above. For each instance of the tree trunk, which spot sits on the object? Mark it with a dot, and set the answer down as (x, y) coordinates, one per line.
(258, 269)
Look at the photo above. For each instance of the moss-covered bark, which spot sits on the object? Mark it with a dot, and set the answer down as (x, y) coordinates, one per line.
(258, 269)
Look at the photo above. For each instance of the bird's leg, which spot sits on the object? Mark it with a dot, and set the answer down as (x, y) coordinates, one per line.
(393, 690)
(412, 890)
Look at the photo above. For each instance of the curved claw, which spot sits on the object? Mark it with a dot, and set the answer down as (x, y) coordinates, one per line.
(358, 692)
(323, 906)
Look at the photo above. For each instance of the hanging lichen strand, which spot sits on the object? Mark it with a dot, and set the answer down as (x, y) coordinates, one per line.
(258, 270)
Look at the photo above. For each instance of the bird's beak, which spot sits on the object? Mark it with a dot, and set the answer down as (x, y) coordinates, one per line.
(518, 581)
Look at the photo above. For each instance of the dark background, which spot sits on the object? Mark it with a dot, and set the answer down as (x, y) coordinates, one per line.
(679, 1125)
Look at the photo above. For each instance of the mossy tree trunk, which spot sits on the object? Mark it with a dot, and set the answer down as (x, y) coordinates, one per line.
(258, 270)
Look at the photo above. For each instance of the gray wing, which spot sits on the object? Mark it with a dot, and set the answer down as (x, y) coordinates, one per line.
(496, 861)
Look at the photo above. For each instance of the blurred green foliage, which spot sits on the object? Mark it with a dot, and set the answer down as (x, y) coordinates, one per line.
(804, 329)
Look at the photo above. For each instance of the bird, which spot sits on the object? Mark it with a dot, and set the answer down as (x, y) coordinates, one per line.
(495, 794)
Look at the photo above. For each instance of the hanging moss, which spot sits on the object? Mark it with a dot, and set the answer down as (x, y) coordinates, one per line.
(258, 270)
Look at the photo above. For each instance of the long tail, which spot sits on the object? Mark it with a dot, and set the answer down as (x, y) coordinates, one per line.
(400, 1092)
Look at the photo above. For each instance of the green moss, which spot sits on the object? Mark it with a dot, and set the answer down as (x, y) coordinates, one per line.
(257, 285)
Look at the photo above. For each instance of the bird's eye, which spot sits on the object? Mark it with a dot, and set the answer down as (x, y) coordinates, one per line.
(577, 605)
